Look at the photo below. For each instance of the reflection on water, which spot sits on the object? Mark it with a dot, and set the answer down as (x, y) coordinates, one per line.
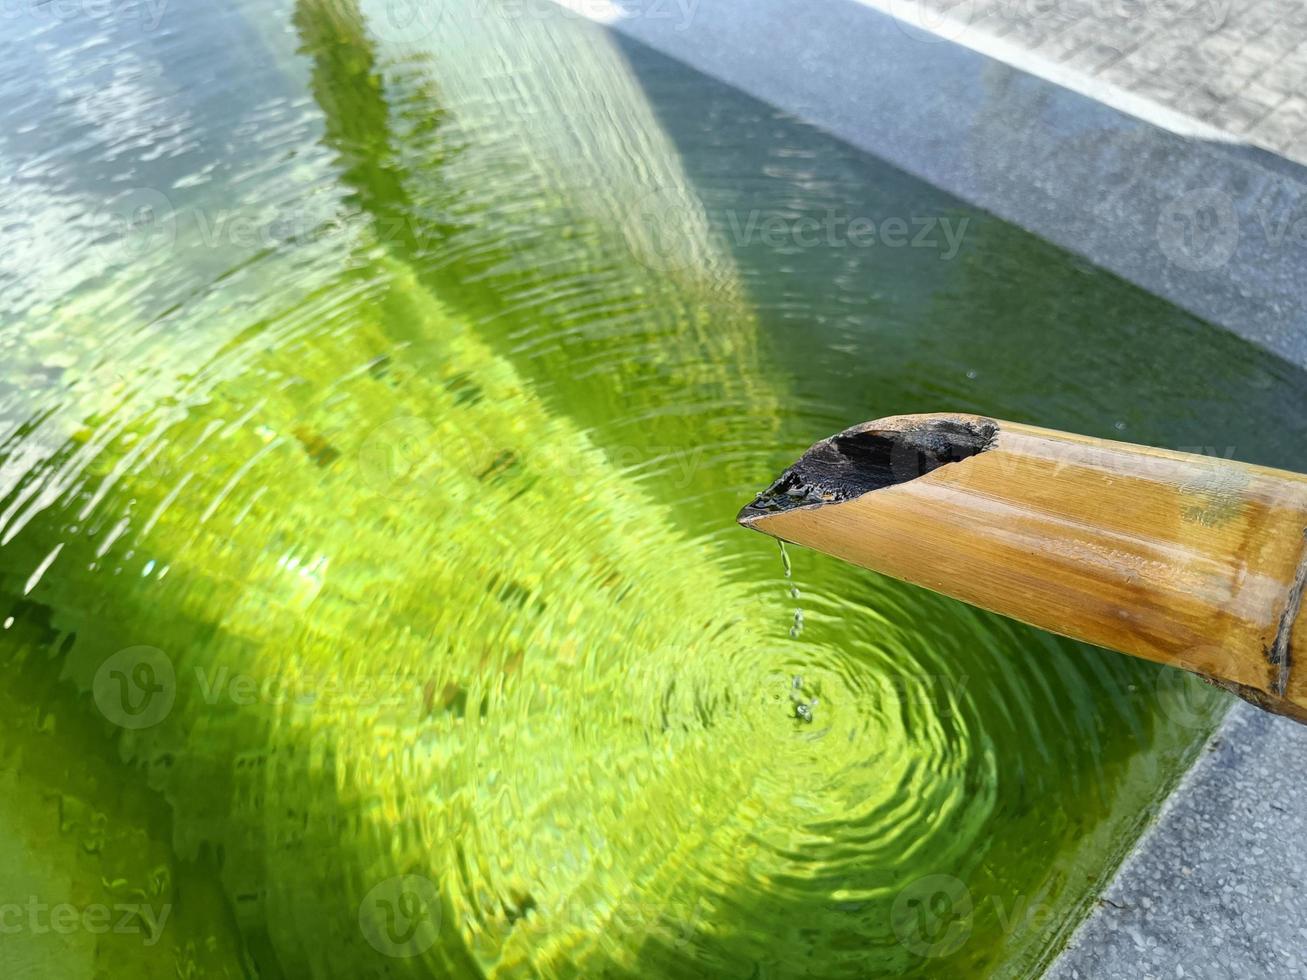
(374, 414)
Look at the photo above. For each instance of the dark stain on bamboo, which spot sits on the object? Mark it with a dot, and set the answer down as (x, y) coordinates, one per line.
(1280, 655)
(868, 457)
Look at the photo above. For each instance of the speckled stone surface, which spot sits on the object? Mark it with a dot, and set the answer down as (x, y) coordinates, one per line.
(1240, 65)
(1217, 888)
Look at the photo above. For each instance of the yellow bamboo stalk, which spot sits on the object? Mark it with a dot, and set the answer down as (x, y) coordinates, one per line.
(1186, 560)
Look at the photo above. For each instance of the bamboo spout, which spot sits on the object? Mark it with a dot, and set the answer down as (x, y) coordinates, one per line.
(1187, 560)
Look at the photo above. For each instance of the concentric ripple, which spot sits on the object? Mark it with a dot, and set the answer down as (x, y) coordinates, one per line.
(371, 426)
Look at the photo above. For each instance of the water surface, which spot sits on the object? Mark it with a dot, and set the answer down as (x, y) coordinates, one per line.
(376, 405)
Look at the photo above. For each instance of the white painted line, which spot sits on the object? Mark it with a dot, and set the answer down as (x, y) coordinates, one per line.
(599, 11)
(917, 16)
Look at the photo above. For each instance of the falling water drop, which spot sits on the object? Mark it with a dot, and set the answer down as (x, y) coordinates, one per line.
(796, 627)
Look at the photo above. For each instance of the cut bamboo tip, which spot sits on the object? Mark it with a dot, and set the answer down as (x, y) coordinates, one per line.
(1187, 560)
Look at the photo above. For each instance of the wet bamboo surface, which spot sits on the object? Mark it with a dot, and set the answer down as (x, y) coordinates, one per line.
(1187, 560)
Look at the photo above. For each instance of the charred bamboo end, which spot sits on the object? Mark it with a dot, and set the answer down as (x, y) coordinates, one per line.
(872, 456)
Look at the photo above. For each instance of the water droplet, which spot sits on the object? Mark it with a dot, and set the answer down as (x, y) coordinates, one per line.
(797, 627)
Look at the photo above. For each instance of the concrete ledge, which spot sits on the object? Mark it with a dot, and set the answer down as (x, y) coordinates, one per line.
(1216, 887)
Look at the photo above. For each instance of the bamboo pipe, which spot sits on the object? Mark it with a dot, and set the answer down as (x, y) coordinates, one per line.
(1186, 560)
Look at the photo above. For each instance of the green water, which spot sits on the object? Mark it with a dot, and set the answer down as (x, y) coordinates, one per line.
(375, 406)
